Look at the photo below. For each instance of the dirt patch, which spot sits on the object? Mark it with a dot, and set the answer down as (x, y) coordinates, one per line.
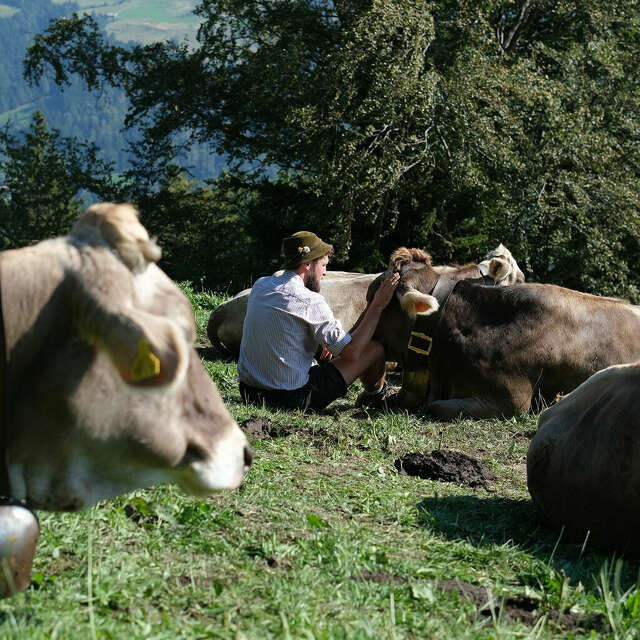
(517, 608)
(139, 516)
(263, 428)
(379, 577)
(510, 608)
(258, 427)
(446, 466)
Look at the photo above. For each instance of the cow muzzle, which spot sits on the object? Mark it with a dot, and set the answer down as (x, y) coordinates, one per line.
(224, 467)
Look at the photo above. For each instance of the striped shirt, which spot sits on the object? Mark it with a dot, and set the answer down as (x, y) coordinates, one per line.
(284, 325)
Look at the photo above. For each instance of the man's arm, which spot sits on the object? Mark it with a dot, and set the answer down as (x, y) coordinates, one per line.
(361, 336)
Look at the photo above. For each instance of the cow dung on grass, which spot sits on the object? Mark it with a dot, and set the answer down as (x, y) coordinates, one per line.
(583, 464)
(446, 466)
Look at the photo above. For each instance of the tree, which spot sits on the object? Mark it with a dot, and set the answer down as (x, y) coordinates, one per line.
(441, 124)
(44, 176)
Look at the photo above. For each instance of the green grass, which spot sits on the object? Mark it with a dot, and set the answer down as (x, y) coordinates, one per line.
(142, 21)
(325, 540)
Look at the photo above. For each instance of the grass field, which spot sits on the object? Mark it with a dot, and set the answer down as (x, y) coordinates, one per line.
(146, 20)
(325, 539)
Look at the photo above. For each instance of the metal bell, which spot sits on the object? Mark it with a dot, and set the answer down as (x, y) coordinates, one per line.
(19, 531)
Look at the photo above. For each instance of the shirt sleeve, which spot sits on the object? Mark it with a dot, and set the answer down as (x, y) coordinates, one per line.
(325, 328)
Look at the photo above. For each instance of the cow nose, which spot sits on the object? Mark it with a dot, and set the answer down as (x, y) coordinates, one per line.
(248, 457)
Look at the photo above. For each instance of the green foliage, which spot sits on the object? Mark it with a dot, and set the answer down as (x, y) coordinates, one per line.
(442, 124)
(44, 174)
(202, 231)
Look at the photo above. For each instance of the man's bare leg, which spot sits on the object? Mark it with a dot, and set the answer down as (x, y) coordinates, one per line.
(370, 367)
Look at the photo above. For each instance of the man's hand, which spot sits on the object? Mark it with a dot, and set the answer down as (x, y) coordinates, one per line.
(386, 290)
(323, 354)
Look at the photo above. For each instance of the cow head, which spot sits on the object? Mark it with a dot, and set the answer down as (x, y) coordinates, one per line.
(418, 277)
(105, 392)
(502, 267)
(412, 297)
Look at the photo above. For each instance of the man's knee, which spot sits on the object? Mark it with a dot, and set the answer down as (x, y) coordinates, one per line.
(375, 350)
(353, 369)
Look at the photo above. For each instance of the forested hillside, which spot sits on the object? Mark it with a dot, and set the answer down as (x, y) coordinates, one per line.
(450, 125)
(75, 112)
(97, 117)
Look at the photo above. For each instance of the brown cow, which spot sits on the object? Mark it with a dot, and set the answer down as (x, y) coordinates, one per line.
(489, 350)
(103, 390)
(582, 465)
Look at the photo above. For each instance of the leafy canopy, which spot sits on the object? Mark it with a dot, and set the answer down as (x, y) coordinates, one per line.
(441, 124)
(43, 177)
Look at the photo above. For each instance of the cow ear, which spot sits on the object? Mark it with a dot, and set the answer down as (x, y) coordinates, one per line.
(155, 359)
(147, 351)
(499, 268)
(414, 302)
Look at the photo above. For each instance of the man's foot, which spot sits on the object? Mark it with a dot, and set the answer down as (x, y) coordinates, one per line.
(383, 399)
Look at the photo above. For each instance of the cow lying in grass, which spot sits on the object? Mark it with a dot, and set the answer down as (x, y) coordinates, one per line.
(103, 390)
(582, 464)
(487, 351)
(346, 295)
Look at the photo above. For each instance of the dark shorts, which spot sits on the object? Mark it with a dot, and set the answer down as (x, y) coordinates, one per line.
(325, 384)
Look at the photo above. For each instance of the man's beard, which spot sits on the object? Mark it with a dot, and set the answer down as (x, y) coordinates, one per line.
(313, 283)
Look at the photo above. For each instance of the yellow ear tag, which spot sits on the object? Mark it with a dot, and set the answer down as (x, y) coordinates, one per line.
(146, 365)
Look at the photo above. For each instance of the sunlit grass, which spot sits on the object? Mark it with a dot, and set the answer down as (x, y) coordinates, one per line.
(325, 540)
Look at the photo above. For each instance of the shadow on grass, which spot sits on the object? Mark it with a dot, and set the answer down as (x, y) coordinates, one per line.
(211, 353)
(494, 520)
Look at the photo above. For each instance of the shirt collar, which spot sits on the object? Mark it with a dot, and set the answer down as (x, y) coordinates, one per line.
(293, 277)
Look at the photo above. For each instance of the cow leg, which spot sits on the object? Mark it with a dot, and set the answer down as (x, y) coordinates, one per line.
(473, 407)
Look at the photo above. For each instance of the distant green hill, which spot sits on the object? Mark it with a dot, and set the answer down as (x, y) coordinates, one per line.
(146, 20)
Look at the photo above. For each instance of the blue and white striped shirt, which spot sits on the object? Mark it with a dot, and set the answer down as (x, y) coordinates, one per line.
(283, 327)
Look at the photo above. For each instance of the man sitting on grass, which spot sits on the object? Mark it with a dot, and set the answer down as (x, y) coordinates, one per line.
(287, 320)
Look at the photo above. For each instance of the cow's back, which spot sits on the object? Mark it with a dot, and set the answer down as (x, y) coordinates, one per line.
(224, 328)
(582, 464)
(346, 294)
(344, 291)
(543, 337)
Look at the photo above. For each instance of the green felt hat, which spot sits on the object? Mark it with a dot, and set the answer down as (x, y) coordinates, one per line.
(303, 246)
